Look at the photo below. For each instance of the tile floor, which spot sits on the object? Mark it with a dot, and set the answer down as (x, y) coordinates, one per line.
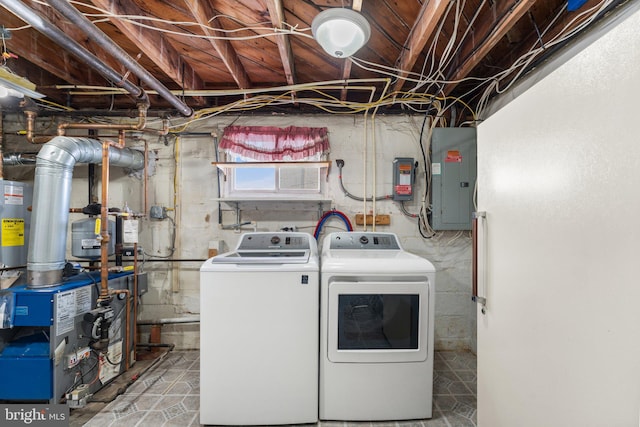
(168, 394)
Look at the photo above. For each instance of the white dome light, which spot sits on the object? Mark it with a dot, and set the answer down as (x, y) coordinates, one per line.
(340, 32)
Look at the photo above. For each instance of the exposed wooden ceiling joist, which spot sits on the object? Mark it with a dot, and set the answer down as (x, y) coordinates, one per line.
(346, 65)
(430, 15)
(46, 56)
(284, 46)
(154, 45)
(221, 45)
(202, 12)
(493, 36)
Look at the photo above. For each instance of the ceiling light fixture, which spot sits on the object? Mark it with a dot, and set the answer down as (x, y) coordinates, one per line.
(17, 86)
(340, 32)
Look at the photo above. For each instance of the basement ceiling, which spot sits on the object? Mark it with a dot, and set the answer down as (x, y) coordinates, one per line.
(227, 55)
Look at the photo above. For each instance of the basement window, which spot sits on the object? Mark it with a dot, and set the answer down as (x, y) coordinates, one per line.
(267, 161)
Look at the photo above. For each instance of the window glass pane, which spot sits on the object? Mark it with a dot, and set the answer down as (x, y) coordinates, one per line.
(378, 321)
(292, 178)
(257, 178)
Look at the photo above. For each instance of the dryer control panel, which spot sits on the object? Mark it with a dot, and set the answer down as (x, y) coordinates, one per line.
(364, 240)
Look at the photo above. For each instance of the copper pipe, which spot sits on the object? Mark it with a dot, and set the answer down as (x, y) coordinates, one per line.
(104, 220)
(31, 120)
(126, 329)
(31, 113)
(146, 179)
(143, 107)
(163, 131)
(104, 232)
(142, 121)
(135, 293)
(1, 147)
(31, 124)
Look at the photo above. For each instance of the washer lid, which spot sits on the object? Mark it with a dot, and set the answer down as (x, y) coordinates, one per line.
(276, 256)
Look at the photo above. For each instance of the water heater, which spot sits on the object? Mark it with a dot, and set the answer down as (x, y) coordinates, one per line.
(15, 220)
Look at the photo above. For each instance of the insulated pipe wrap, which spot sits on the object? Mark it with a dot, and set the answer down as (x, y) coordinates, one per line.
(51, 201)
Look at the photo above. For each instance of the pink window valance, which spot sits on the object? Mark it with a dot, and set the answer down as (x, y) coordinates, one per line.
(272, 144)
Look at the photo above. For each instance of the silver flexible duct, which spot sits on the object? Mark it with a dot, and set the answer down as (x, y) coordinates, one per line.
(16, 159)
(51, 201)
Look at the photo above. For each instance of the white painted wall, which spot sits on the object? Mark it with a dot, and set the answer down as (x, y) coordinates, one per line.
(558, 177)
(174, 288)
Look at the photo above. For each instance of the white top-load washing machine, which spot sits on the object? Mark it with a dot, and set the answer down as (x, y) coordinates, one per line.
(259, 332)
(376, 329)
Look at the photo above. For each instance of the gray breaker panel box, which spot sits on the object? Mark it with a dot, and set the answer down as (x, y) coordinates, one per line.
(453, 169)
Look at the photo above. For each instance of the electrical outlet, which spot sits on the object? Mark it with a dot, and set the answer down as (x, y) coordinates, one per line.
(289, 228)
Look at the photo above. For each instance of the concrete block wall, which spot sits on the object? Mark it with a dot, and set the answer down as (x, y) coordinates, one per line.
(185, 182)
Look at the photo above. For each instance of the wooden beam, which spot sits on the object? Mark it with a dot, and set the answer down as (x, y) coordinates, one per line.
(346, 64)
(496, 32)
(42, 52)
(284, 46)
(428, 19)
(153, 44)
(202, 12)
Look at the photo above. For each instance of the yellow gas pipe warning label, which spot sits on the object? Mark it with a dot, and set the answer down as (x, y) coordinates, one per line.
(12, 232)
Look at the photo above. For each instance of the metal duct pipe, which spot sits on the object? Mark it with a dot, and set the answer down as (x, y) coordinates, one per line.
(51, 200)
(170, 321)
(38, 22)
(95, 34)
(15, 159)
(1, 144)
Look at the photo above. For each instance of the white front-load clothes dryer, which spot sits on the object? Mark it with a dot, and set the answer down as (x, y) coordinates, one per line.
(376, 329)
(259, 332)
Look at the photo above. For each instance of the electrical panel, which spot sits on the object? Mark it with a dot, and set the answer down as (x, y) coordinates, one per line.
(403, 178)
(453, 177)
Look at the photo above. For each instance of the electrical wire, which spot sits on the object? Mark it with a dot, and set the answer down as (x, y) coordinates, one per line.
(137, 20)
(431, 76)
(581, 21)
(358, 198)
(404, 210)
(106, 356)
(172, 249)
(97, 366)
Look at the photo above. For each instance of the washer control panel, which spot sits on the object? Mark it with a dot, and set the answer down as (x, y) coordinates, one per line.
(258, 241)
(364, 240)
